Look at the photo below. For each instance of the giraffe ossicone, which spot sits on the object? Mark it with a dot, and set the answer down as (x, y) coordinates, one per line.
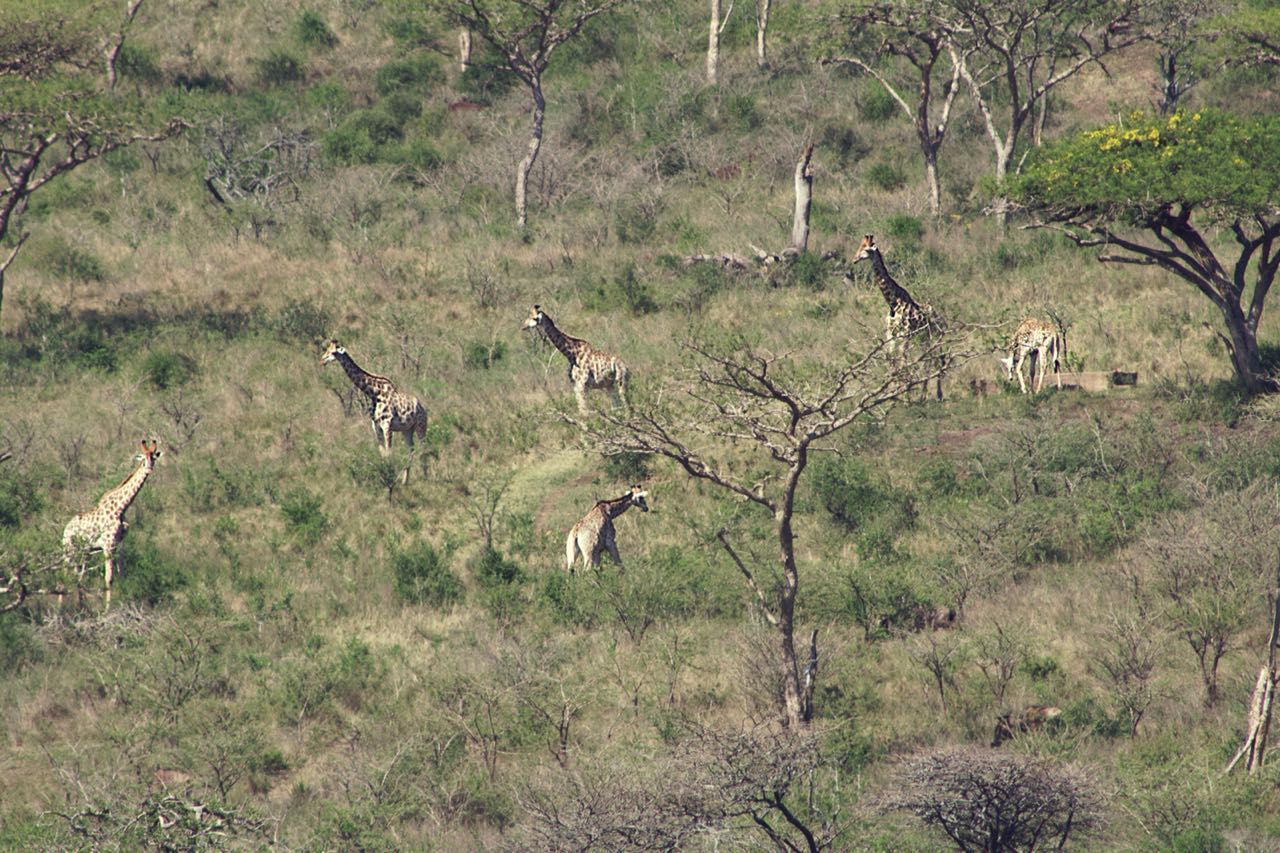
(594, 533)
(588, 366)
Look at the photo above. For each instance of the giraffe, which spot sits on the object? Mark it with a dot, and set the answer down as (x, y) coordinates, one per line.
(588, 366)
(1042, 341)
(906, 318)
(103, 527)
(389, 410)
(594, 533)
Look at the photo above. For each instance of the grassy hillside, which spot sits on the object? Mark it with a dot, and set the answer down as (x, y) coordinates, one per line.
(333, 661)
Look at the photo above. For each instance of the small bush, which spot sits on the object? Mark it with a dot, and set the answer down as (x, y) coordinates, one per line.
(415, 74)
(279, 68)
(878, 105)
(481, 355)
(164, 369)
(808, 270)
(71, 262)
(20, 496)
(625, 289)
(905, 227)
(138, 63)
(422, 576)
(848, 146)
(312, 31)
(303, 515)
(636, 222)
(742, 111)
(19, 647)
(886, 176)
(145, 575)
(494, 570)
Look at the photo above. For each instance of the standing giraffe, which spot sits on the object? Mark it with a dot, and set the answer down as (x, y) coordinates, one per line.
(1042, 341)
(389, 409)
(103, 527)
(906, 318)
(594, 534)
(588, 366)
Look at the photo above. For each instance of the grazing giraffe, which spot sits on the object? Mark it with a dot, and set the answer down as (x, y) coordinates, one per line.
(588, 366)
(594, 534)
(103, 527)
(1042, 341)
(389, 409)
(906, 318)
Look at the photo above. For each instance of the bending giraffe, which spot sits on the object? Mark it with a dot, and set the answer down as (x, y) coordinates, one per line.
(588, 366)
(389, 410)
(1042, 342)
(594, 534)
(103, 527)
(906, 319)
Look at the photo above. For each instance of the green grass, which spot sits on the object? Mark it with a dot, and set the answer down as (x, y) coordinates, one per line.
(319, 647)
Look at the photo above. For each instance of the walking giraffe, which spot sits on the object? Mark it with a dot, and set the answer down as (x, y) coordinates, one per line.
(906, 318)
(588, 366)
(1042, 341)
(594, 534)
(103, 527)
(389, 410)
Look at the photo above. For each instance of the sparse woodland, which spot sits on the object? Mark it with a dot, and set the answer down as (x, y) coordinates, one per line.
(836, 586)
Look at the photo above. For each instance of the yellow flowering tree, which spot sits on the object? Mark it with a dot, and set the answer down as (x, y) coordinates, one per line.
(1168, 192)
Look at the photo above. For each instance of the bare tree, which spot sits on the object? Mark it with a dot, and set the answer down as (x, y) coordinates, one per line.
(1254, 748)
(804, 200)
(918, 34)
(713, 38)
(783, 407)
(115, 42)
(763, 7)
(996, 801)
(1130, 648)
(1014, 52)
(525, 33)
(1177, 43)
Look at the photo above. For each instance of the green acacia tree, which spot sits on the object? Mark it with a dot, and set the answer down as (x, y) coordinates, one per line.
(58, 106)
(1162, 191)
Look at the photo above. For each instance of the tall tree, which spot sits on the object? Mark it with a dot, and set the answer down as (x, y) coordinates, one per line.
(1158, 191)
(918, 34)
(785, 409)
(1014, 52)
(57, 110)
(763, 8)
(525, 33)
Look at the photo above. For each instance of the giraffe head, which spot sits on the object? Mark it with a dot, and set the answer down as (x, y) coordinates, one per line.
(535, 318)
(867, 249)
(638, 495)
(149, 455)
(332, 351)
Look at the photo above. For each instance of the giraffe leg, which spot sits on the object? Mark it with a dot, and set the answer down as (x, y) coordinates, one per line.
(1017, 366)
(612, 545)
(570, 552)
(110, 571)
(580, 391)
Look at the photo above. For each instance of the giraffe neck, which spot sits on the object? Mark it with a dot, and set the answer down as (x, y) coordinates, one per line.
(367, 382)
(570, 347)
(616, 507)
(894, 293)
(118, 499)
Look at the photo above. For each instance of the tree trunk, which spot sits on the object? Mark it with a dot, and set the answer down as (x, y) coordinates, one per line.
(464, 49)
(535, 144)
(804, 199)
(1000, 204)
(792, 705)
(931, 177)
(713, 42)
(762, 27)
(1244, 352)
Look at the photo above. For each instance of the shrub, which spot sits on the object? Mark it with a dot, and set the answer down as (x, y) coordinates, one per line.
(146, 575)
(742, 111)
(138, 63)
(20, 496)
(886, 176)
(808, 270)
(878, 105)
(905, 227)
(422, 576)
(481, 355)
(164, 369)
(18, 644)
(848, 146)
(278, 68)
(625, 289)
(636, 222)
(303, 515)
(71, 262)
(311, 31)
(416, 153)
(414, 74)
(301, 321)
(494, 570)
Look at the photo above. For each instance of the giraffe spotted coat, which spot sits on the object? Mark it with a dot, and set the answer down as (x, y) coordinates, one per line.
(588, 366)
(594, 534)
(390, 410)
